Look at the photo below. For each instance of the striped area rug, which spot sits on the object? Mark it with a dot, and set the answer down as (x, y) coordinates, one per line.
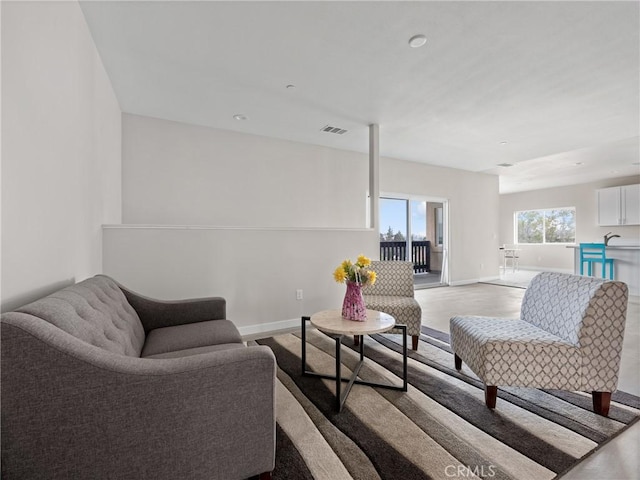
(439, 429)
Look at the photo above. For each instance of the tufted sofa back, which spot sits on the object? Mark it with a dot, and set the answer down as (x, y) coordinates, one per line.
(95, 311)
(393, 278)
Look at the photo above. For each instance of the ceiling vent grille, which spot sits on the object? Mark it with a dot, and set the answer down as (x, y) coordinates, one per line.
(505, 164)
(336, 130)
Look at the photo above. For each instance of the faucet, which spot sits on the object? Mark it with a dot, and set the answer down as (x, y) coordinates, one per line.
(608, 237)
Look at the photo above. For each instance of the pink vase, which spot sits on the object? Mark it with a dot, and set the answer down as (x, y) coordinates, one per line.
(353, 306)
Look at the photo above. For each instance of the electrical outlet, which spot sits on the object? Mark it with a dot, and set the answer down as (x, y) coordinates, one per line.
(299, 294)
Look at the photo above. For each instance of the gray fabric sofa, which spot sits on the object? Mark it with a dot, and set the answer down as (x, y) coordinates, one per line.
(100, 382)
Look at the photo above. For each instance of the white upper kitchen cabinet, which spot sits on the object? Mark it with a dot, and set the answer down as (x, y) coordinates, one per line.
(619, 205)
(631, 200)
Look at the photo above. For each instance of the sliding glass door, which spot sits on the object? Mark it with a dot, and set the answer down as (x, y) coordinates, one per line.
(420, 254)
(394, 225)
(414, 229)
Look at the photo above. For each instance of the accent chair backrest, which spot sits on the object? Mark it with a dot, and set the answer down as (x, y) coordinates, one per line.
(601, 337)
(560, 303)
(95, 311)
(392, 278)
(595, 251)
(587, 312)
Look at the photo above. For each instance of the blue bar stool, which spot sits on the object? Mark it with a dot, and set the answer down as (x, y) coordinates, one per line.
(591, 253)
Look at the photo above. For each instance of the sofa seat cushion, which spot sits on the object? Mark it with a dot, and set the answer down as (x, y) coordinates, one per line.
(514, 352)
(190, 335)
(198, 350)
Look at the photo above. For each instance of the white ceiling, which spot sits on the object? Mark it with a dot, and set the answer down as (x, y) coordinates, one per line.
(558, 81)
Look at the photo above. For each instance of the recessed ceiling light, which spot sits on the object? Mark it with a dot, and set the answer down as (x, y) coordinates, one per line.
(417, 41)
(505, 164)
(503, 143)
(290, 86)
(239, 116)
(579, 163)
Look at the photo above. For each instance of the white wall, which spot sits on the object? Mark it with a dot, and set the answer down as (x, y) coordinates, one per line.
(583, 198)
(60, 150)
(273, 216)
(179, 174)
(473, 212)
(257, 270)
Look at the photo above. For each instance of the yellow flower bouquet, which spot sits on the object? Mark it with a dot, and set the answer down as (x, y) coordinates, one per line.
(355, 272)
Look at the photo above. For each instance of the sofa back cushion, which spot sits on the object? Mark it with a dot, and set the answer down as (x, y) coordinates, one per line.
(558, 302)
(392, 278)
(95, 311)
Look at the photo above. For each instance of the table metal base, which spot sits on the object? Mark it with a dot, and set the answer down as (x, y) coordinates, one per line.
(341, 397)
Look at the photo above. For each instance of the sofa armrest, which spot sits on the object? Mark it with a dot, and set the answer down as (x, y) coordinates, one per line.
(155, 313)
(77, 411)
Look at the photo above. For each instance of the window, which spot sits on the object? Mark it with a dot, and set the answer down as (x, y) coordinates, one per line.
(554, 225)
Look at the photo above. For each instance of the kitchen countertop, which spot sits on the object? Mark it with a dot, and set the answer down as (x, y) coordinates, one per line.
(613, 247)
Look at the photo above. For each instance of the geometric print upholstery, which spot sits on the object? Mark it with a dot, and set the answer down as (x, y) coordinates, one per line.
(569, 336)
(516, 353)
(601, 337)
(393, 292)
(405, 310)
(392, 278)
(557, 302)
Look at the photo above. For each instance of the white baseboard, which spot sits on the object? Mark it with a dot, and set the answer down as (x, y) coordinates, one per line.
(269, 327)
(544, 269)
(457, 283)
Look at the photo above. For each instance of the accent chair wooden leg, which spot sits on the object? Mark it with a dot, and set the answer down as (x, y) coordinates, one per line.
(601, 402)
(414, 341)
(490, 395)
(356, 340)
(458, 361)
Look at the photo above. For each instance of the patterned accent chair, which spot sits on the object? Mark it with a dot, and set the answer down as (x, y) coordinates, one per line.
(393, 294)
(569, 337)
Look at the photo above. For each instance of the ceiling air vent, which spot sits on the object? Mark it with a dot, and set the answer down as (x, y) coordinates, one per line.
(330, 129)
(505, 164)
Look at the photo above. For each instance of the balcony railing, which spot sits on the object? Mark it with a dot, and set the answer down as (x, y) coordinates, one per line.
(420, 253)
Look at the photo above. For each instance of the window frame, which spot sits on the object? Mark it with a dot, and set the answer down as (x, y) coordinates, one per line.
(544, 228)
